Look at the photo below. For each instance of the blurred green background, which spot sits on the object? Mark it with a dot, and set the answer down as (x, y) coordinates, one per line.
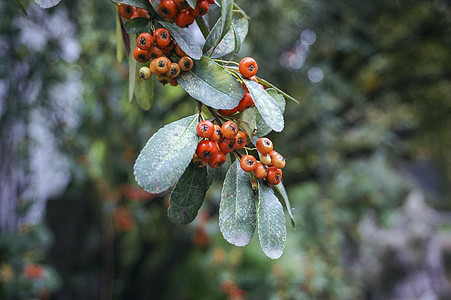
(368, 173)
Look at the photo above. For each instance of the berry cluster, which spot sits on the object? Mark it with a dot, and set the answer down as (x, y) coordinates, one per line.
(270, 165)
(218, 141)
(158, 48)
(131, 12)
(248, 69)
(179, 11)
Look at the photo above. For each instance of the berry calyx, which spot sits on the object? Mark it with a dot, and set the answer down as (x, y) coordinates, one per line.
(264, 146)
(248, 163)
(248, 67)
(205, 129)
(229, 130)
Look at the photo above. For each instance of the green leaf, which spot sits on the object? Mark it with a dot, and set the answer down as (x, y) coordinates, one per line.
(47, 3)
(22, 7)
(188, 195)
(235, 36)
(209, 83)
(192, 3)
(131, 69)
(248, 121)
(263, 128)
(272, 230)
(267, 106)
(281, 189)
(118, 39)
(166, 155)
(137, 25)
(138, 3)
(144, 90)
(184, 38)
(221, 27)
(266, 83)
(237, 210)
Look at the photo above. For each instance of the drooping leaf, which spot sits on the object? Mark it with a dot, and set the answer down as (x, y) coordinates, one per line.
(234, 37)
(188, 195)
(119, 45)
(271, 222)
(209, 83)
(131, 69)
(267, 83)
(192, 3)
(281, 189)
(138, 3)
(237, 210)
(221, 27)
(183, 37)
(267, 106)
(144, 90)
(137, 25)
(47, 3)
(166, 155)
(263, 128)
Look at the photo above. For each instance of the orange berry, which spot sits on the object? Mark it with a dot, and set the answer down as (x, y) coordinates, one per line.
(274, 175)
(241, 140)
(264, 145)
(248, 163)
(248, 67)
(229, 129)
(260, 171)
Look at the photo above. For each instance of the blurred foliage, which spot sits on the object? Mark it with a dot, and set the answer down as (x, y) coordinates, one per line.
(353, 145)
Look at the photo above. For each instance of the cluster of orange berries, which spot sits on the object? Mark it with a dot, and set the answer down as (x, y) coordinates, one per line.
(131, 12)
(248, 69)
(270, 165)
(179, 11)
(218, 141)
(157, 48)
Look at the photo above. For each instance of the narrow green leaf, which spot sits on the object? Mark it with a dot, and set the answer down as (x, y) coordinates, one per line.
(267, 106)
(237, 210)
(192, 3)
(138, 3)
(47, 3)
(188, 195)
(144, 90)
(119, 46)
(263, 128)
(166, 155)
(272, 230)
(184, 38)
(209, 83)
(235, 36)
(131, 69)
(221, 27)
(281, 189)
(267, 83)
(137, 25)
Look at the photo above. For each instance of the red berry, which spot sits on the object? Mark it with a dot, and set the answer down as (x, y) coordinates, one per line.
(217, 134)
(167, 9)
(217, 160)
(241, 140)
(205, 149)
(162, 37)
(144, 41)
(278, 161)
(260, 171)
(181, 4)
(141, 55)
(264, 145)
(184, 19)
(274, 175)
(248, 67)
(229, 129)
(265, 159)
(185, 63)
(248, 163)
(205, 129)
(202, 7)
(227, 112)
(227, 145)
(246, 102)
(126, 11)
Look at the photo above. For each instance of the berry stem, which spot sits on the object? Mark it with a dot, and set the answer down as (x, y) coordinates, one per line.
(215, 115)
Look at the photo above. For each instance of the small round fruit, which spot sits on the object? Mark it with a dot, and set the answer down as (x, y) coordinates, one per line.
(144, 41)
(278, 161)
(272, 153)
(217, 160)
(264, 145)
(163, 79)
(260, 171)
(142, 13)
(185, 63)
(184, 19)
(126, 11)
(162, 64)
(141, 55)
(199, 162)
(241, 140)
(203, 7)
(206, 148)
(274, 175)
(227, 112)
(167, 9)
(229, 130)
(181, 4)
(248, 67)
(245, 102)
(174, 70)
(217, 134)
(248, 163)
(174, 82)
(205, 129)
(145, 73)
(156, 51)
(152, 66)
(227, 145)
(266, 159)
(179, 51)
(162, 37)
